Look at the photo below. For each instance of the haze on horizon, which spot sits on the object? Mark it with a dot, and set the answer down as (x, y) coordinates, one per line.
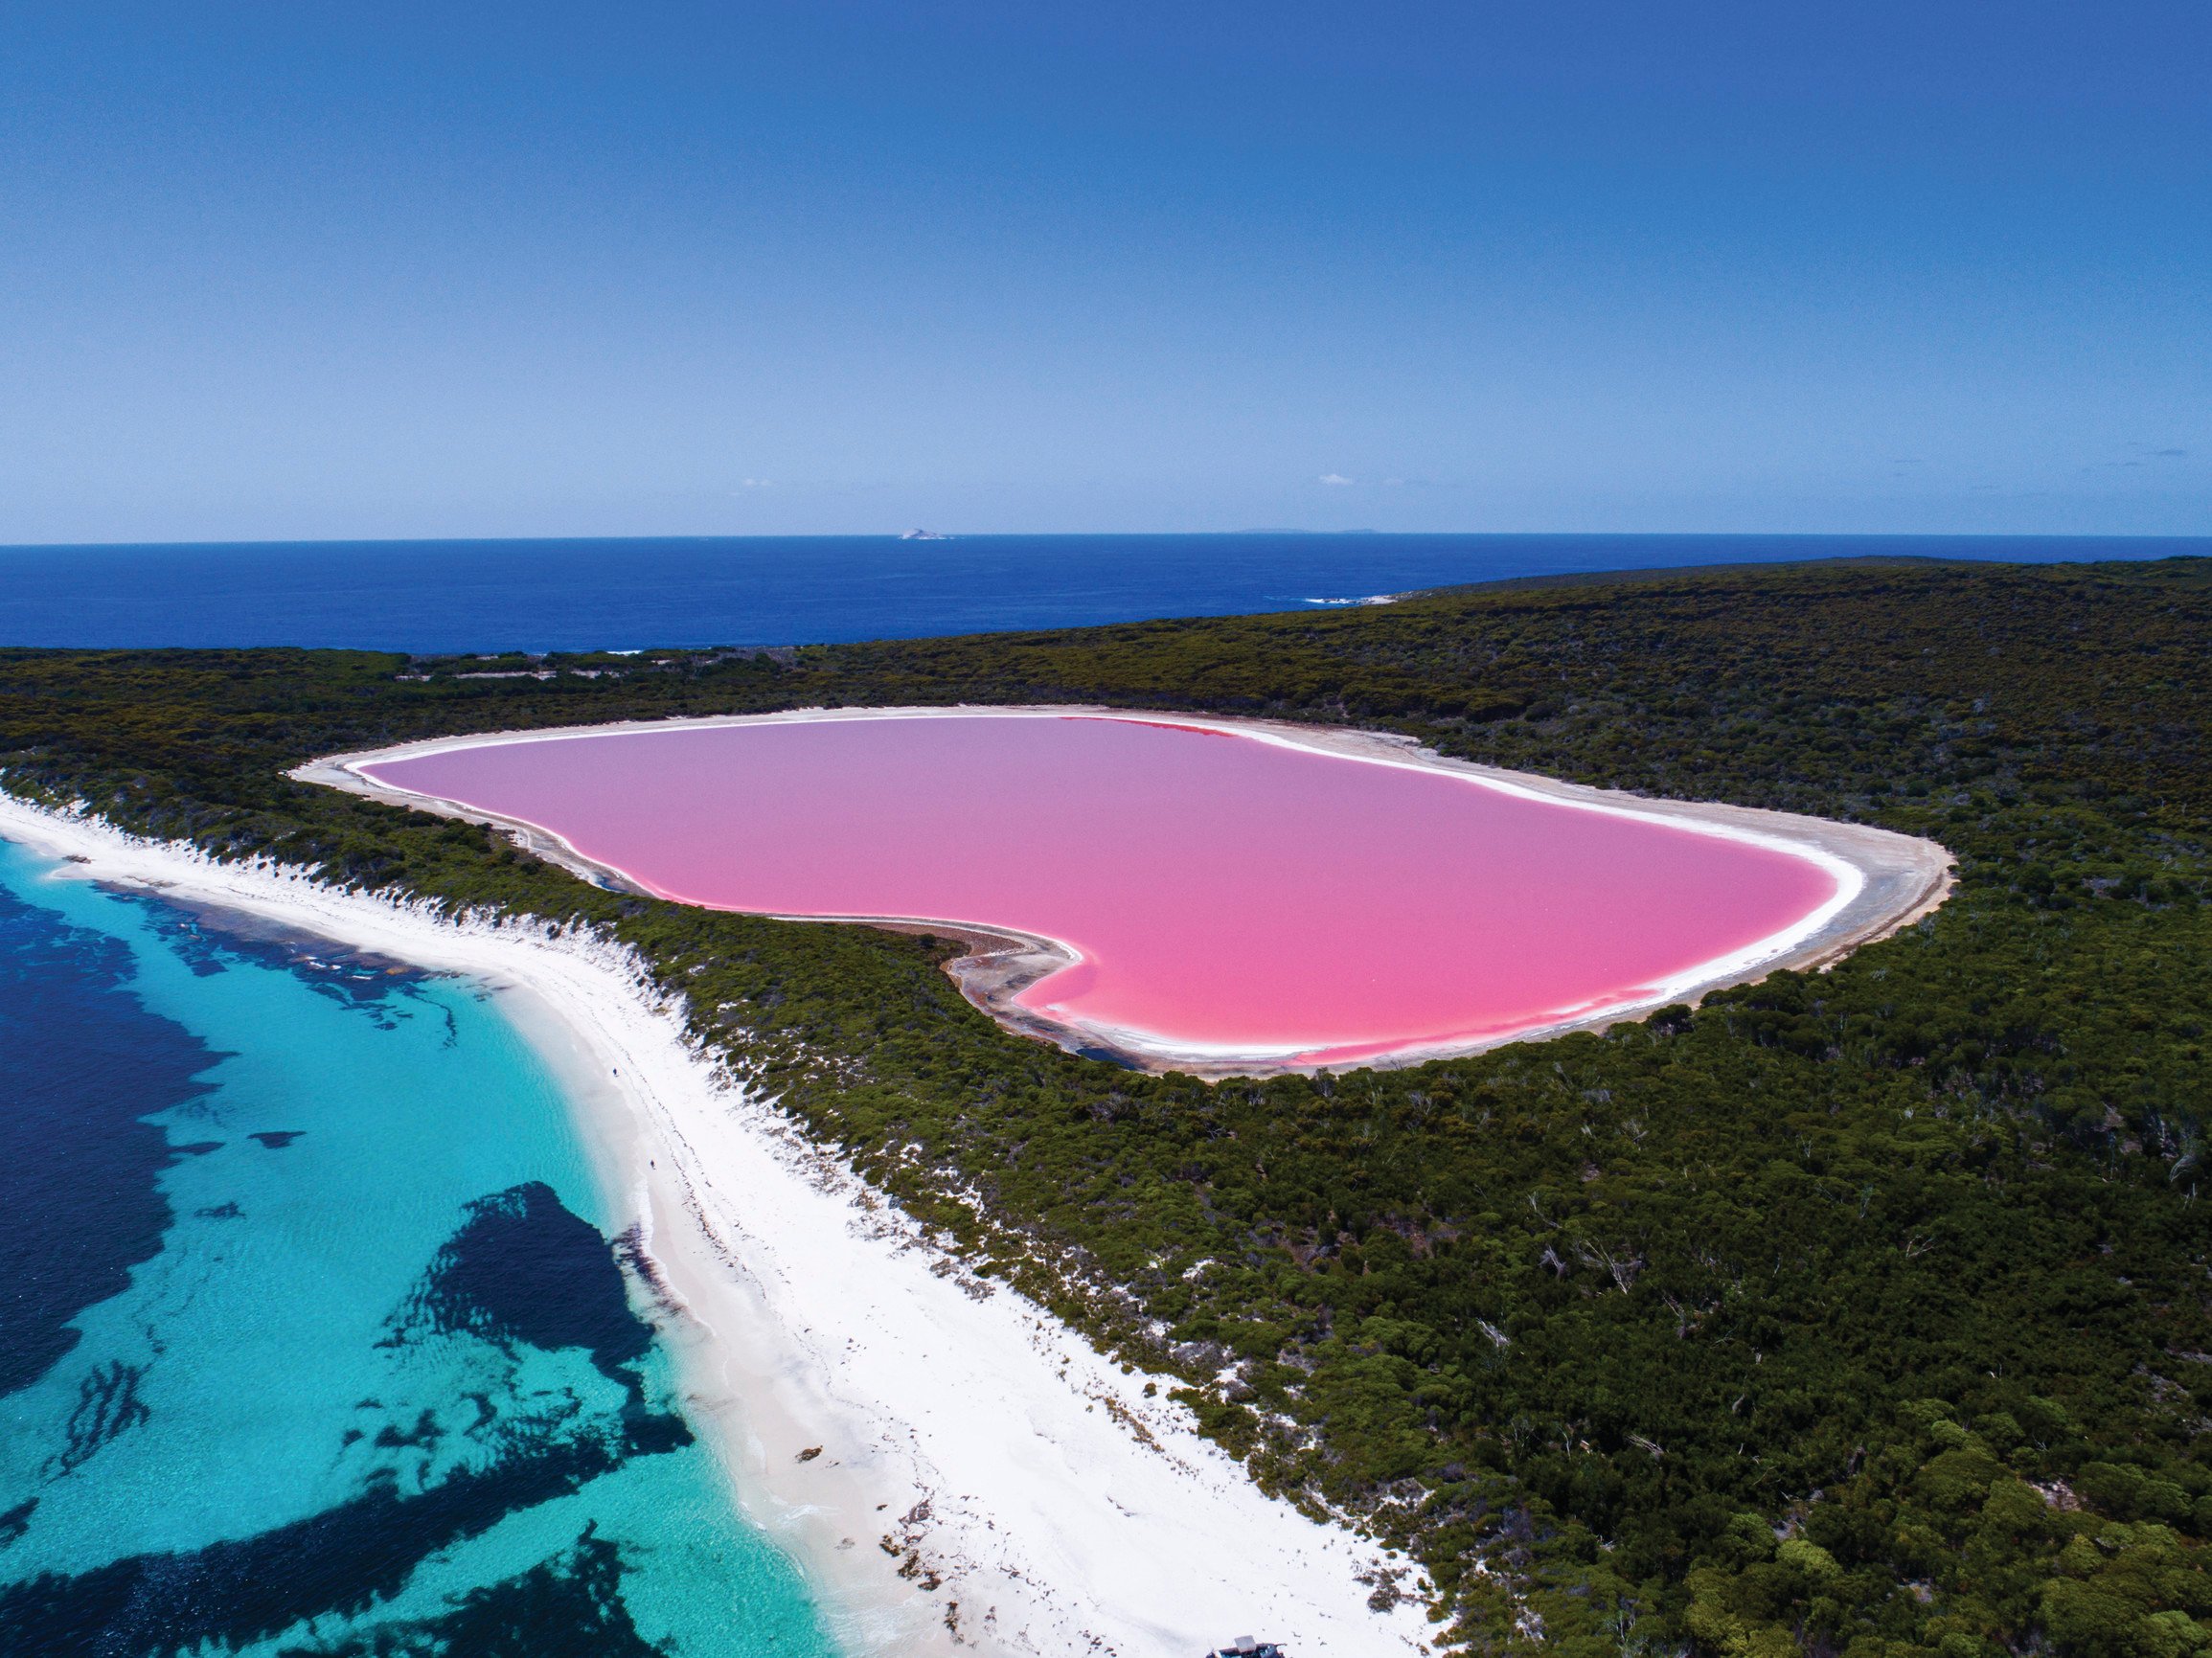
(347, 271)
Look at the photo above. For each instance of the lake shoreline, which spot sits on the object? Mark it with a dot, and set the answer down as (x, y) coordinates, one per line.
(1884, 881)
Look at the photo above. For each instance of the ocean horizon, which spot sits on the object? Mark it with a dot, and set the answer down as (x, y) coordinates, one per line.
(428, 597)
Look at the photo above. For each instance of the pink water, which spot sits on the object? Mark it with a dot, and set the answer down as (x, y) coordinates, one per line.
(1223, 893)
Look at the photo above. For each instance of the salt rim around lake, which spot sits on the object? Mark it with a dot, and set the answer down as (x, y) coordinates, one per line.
(1412, 918)
(980, 1479)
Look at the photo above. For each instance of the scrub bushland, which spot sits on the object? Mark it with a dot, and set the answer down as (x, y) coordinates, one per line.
(1867, 1313)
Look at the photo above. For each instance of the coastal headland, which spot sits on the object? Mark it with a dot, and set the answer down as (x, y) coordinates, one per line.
(1835, 886)
(1850, 1305)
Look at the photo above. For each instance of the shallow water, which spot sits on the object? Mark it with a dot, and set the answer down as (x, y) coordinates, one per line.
(312, 1340)
(1224, 894)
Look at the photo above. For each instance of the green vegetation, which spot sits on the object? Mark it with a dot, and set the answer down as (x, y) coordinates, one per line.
(1863, 1313)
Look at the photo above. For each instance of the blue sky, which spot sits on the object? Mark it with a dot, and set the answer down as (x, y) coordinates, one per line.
(332, 270)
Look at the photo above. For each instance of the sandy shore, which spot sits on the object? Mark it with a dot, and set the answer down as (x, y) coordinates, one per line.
(974, 1475)
(1883, 880)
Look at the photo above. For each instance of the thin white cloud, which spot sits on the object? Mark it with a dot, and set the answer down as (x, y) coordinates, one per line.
(1334, 478)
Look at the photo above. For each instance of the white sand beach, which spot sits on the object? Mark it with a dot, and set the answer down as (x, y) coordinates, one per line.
(953, 1467)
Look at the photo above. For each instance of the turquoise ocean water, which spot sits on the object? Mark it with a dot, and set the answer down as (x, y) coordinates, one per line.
(314, 1338)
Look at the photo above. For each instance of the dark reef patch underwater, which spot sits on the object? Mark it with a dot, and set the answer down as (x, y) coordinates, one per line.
(387, 1392)
(81, 1065)
(523, 1268)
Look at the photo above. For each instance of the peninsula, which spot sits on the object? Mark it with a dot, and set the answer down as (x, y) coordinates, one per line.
(1859, 1306)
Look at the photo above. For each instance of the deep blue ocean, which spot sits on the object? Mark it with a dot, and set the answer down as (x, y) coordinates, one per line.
(454, 596)
(312, 1339)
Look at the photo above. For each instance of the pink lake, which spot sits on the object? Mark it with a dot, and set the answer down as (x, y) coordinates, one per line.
(1226, 895)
